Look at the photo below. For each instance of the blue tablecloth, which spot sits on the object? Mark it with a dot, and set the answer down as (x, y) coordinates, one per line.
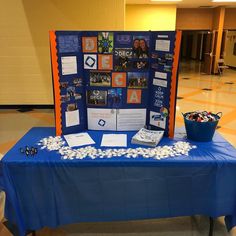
(47, 191)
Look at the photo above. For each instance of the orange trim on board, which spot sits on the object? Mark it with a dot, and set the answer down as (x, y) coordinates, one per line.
(173, 89)
(56, 84)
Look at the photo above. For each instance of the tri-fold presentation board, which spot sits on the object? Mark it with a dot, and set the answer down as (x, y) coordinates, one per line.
(115, 80)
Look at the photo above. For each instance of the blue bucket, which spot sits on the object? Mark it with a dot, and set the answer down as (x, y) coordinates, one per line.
(201, 131)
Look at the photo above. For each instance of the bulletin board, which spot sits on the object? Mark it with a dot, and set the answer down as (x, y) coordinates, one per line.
(115, 80)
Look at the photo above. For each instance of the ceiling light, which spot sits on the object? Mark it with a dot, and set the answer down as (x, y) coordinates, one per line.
(167, 0)
(223, 0)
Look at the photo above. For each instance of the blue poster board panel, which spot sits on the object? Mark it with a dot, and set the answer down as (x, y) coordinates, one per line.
(114, 70)
(162, 54)
(108, 85)
(70, 67)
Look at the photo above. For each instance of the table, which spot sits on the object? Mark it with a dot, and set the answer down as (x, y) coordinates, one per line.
(47, 191)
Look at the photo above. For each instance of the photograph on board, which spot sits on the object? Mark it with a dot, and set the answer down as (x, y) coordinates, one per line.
(71, 107)
(114, 97)
(137, 80)
(105, 42)
(77, 82)
(122, 59)
(140, 46)
(97, 97)
(100, 78)
(140, 65)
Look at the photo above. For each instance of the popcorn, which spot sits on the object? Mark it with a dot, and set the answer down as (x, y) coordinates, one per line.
(161, 152)
(52, 143)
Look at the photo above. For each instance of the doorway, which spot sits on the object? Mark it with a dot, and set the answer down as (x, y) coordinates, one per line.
(196, 50)
(194, 43)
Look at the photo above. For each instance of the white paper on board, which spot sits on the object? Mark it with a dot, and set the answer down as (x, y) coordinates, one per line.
(162, 45)
(90, 61)
(114, 140)
(131, 119)
(160, 82)
(162, 36)
(157, 120)
(72, 118)
(161, 75)
(79, 139)
(101, 119)
(69, 65)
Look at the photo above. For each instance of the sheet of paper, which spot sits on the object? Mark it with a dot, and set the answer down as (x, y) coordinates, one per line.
(79, 139)
(90, 61)
(69, 65)
(114, 140)
(161, 75)
(131, 119)
(162, 36)
(157, 120)
(72, 118)
(101, 119)
(160, 82)
(162, 45)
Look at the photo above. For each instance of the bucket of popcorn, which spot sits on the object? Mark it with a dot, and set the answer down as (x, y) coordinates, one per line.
(201, 125)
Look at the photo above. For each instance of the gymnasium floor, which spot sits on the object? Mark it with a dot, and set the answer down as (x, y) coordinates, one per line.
(195, 92)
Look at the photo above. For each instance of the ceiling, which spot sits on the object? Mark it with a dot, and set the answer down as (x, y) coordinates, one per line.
(186, 3)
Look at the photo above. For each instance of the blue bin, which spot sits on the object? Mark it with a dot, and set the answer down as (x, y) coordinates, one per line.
(201, 131)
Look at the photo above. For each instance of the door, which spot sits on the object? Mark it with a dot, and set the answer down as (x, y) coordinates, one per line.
(189, 46)
(209, 44)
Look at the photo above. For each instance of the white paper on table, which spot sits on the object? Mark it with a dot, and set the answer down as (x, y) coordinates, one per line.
(79, 139)
(69, 65)
(114, 140)
(72, 118)
(160, 82)
(131, 119)
(101, 119)
(162, 45)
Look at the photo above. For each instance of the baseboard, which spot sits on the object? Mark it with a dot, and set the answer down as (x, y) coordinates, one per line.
(232, 67)
(27, 107)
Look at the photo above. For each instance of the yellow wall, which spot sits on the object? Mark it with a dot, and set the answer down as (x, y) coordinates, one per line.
(216, 18)
(194, 19)
(230, 58)
(230, 18)
(150, 17)
(203, 19)
(25, 71)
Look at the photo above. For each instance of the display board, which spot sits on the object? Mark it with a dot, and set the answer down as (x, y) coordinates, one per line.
(115, 80)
